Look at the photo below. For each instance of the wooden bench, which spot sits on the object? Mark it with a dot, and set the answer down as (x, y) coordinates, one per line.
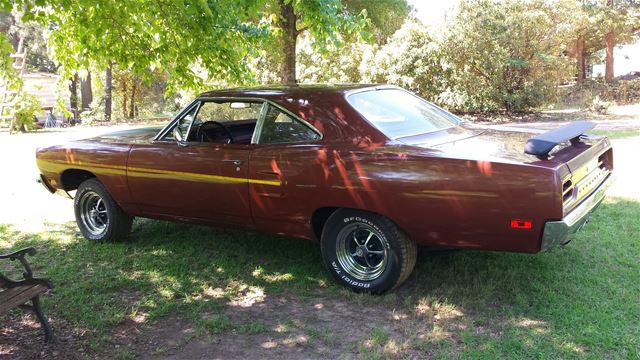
(17, 293)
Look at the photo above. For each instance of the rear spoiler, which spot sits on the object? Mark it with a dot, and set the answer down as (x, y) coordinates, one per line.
(541, 145)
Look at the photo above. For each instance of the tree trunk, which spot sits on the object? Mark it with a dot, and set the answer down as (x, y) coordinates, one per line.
(86, 92)
(108, 92)
(581, 60)
(611, 42)
(132, 111)
(124, 97)
(287, 24)
(608, 71)
(73, 88)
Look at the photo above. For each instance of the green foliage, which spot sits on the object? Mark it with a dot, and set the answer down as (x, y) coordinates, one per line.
(493, 55)
(342, 65)
(143, 36)
(8, 76)
(594, 19)
(326, 21)
(26, 109)
(385, 16)
(461, 304)
(507, 54)
(412, 59)
(585, 95)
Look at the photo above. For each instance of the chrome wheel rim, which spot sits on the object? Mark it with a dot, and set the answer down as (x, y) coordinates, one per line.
(362, 251)
(93, 213)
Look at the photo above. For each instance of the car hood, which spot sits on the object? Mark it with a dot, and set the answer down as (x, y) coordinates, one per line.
(477, 142)
(130, 135)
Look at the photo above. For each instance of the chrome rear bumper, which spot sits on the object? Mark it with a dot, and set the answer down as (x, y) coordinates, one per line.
(557, 232)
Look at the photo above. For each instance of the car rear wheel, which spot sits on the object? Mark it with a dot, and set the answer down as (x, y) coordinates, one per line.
(97, 214)
(366, 252)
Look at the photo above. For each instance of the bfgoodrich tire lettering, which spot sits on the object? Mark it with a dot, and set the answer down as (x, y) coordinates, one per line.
(366, 252)
(98, 216)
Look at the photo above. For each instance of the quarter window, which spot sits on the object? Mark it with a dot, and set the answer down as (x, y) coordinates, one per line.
(280, 127)
(181, 129)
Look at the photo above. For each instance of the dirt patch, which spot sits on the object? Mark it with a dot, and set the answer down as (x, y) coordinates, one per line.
(22, 338)
(280, 327)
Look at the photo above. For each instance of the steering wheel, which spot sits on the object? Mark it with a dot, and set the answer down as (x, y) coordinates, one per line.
(208, 125)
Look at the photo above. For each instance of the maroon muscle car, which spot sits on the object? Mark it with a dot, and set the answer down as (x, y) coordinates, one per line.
(369, 171)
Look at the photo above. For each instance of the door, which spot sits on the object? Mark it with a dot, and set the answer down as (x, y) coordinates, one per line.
(187, 176)
(285, 172)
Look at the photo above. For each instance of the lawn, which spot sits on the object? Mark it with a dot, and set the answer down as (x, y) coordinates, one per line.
(268, 292)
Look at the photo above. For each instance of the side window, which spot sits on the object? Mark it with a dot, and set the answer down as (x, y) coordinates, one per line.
(280, 128)
(181, 129)
(218, 122)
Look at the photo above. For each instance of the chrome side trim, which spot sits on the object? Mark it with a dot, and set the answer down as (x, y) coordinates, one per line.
(557, 232)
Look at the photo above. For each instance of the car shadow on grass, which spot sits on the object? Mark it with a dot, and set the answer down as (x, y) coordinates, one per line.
(251, 293)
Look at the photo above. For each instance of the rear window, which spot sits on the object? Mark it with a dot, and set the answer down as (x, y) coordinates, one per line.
(398, 113)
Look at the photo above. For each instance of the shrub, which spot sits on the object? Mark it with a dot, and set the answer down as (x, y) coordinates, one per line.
(28, 106)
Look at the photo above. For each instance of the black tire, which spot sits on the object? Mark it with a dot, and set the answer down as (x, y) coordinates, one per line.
(97, 214)
(376, 265)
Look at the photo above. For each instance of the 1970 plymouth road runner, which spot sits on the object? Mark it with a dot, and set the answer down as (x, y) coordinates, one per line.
(369, 171)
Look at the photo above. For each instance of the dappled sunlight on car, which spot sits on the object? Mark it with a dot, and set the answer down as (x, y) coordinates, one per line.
(69, 154)
(346, 180)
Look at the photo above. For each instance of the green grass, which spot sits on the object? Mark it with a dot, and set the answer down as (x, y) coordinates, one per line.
(581, 301)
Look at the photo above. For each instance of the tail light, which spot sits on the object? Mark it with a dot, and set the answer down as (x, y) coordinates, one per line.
(521, 224)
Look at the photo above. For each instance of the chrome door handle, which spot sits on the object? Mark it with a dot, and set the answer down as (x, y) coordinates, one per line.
(235, 162)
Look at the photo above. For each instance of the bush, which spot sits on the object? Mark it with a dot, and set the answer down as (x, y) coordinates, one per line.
(28, 106)
(507, 55)
(592, 93)
(412, 59)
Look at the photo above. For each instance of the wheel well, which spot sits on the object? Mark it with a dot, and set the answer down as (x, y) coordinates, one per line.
(72, 178)
(319, 218)
(321, 215)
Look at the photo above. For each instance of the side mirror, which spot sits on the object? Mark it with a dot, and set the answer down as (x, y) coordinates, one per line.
(177, 134)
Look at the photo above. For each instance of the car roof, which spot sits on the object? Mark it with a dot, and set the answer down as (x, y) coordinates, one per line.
(283, 90)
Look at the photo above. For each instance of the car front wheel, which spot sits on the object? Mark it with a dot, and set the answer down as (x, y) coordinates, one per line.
(366, 252)
(98, 216)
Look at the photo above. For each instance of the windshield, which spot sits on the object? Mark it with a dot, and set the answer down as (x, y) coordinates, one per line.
(398, 113)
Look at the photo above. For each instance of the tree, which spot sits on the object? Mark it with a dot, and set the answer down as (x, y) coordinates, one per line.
(385, 16)
(86, 91)
(610, 42)
(351, 62)
(325, 20)
(601, 24)
(142, 35)
(508, 54)
(108, 88)
(412, 58)
(73, 89)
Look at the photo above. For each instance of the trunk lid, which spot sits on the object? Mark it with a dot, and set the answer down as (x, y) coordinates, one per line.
(580, 166)
(506, 144)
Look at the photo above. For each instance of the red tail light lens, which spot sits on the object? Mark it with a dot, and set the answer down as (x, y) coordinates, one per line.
(521, 224)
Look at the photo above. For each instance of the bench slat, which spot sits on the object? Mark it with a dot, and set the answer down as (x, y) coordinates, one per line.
(16, 296)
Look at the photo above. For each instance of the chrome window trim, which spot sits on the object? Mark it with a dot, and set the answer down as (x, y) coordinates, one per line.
(182, 113)
(294, 117)
(258, 129)
(195, 115)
